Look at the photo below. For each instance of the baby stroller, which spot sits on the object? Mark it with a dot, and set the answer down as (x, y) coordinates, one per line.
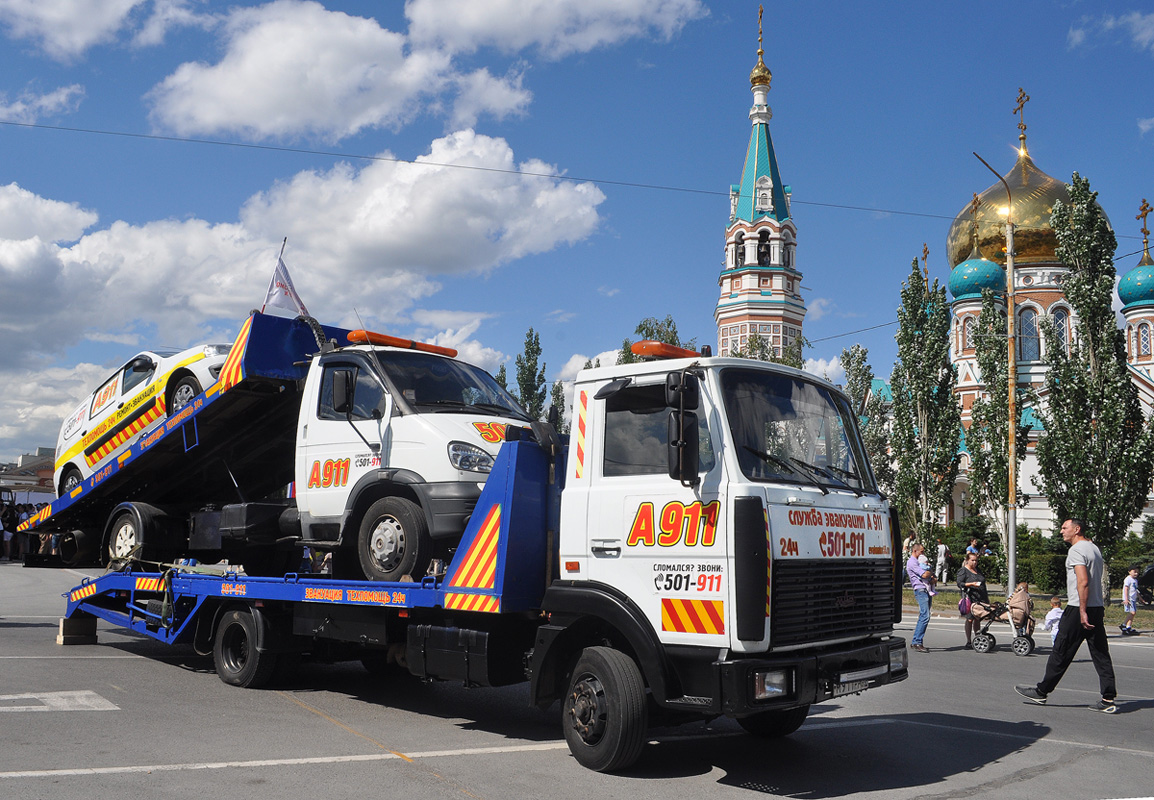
(1015, 611)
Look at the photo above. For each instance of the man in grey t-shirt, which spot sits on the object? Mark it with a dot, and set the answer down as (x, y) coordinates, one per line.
(1083, 620)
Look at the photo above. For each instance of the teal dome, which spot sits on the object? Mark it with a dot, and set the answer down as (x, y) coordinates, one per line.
(1137, 285)
(970, 277)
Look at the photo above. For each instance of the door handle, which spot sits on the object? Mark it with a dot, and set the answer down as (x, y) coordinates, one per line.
(610, 548)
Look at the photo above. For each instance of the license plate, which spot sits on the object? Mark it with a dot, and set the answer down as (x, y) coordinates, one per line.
(850, 687)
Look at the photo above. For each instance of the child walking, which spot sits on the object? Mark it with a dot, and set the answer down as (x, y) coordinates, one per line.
(1130, 601)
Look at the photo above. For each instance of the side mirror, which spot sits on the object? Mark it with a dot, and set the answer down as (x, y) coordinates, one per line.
(682, 390)
(343, 392)
(684, 447)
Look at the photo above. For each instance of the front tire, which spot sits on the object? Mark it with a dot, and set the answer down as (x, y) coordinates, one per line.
(774, 724)
(604, 715)
(393, 540)
(234, 653)
(182, 393)
(69, 480)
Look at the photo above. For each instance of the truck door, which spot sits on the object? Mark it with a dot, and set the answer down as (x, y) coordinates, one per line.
(658, 541)
(337, 445)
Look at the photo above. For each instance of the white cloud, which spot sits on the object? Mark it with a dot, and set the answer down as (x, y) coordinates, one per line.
(24, 215)
(830, 369)
(1075, 37)
(608, 291)
(557, 28)
(29, 107)
(817, 308)
(1137, 26)
(166, 15)
(64, 29)
(293, 67)
(1140, 27)
(35, 402)
(1146, 125)
(481, 93)
(561, 316)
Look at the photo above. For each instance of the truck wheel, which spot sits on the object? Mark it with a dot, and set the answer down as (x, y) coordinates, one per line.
(234, 652)
(124, 539)
(393, 541)
(604, 714)
(774, 724)
(69, 480)
(186, 388)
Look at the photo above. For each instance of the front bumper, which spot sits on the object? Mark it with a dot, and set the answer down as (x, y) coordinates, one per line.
(807, 678)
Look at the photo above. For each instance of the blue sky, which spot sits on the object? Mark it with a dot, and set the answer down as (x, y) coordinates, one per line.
(573, 109)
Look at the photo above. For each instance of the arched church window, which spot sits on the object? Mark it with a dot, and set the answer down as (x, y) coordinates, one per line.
(739, 250)
(968, 329)
(1028, 345)
(764, 193)
(1144, 339)
(1062, 327)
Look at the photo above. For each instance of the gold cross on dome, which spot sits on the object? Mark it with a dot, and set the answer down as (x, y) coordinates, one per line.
(1019, 109)
(760, 11)
(1143, 210)
(975, 204)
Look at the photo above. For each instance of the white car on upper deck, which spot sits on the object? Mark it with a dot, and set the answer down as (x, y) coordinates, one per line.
(152, 385)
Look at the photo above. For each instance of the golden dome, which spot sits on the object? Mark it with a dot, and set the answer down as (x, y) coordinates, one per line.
(760, 75)
(1033, 193)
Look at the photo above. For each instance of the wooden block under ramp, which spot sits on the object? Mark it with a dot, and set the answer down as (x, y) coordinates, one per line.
(77, 629)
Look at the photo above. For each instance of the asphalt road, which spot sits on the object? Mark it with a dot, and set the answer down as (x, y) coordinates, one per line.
(129, 718)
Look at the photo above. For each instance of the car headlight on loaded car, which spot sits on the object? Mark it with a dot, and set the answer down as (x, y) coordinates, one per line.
(469, 458)
(211, 350)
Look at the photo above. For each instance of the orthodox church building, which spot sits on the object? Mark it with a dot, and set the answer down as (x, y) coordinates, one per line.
(760, 283)
(976, 246)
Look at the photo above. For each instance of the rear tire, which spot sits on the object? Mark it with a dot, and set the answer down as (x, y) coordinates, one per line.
(124, 540)
(69, 480)
(774, 724)
(393, 540)
(604, 715)
(235, 655)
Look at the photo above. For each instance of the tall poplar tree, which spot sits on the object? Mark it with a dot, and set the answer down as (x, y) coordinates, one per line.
(531, 380)
(926, 426)
(1096, 457)
(988, 436)
(871, 412)
(557, 401)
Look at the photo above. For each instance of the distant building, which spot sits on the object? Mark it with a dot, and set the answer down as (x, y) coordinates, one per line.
(30, 478)
(760, 283)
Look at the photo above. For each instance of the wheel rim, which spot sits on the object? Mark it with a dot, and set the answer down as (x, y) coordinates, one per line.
(587, 709)
(71, 481)
(387, 543)
(182, 396)
(235, 649)
(124, 539)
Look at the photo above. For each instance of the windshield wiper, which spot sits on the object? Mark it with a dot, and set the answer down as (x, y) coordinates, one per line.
(504, 411)
(825, 473)
(781, 462)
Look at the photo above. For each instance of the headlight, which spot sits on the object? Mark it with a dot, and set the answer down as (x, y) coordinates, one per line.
(211, 350)
(469, 457)
(768, 685)
(898, 656)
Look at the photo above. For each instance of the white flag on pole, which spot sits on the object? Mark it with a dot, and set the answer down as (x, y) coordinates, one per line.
(281, 292)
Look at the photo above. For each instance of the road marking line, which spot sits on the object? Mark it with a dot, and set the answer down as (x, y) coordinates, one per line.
(279, 762)
(58, 701)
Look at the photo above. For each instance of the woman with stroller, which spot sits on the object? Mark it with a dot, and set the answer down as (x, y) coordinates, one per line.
(973, 585)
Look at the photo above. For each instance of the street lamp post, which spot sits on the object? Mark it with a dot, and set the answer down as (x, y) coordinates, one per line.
(1011, 444)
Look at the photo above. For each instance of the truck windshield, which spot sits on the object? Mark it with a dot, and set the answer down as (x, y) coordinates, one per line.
(432, 383)
(787, 428)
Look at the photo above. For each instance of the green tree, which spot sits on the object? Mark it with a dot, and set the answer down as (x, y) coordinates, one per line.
(871, 413)
(1096, 457)
(658, 330)
(758, 348)
(531, 379)
(987, 438)
(502, 378)
(926, 426)
(557, 401)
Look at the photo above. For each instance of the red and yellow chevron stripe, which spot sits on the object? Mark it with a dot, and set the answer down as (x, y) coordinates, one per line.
(139, 424)
(84, 591)
(768, 551)
(232, 372)
(693, 616)
(473, 602)
(478, 570)
(149, 584)
(582, 407)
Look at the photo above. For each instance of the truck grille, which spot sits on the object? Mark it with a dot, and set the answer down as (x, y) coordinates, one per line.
(817, 600)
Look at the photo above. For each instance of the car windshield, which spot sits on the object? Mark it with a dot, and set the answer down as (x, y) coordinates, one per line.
(432, 383)
(788, 428)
